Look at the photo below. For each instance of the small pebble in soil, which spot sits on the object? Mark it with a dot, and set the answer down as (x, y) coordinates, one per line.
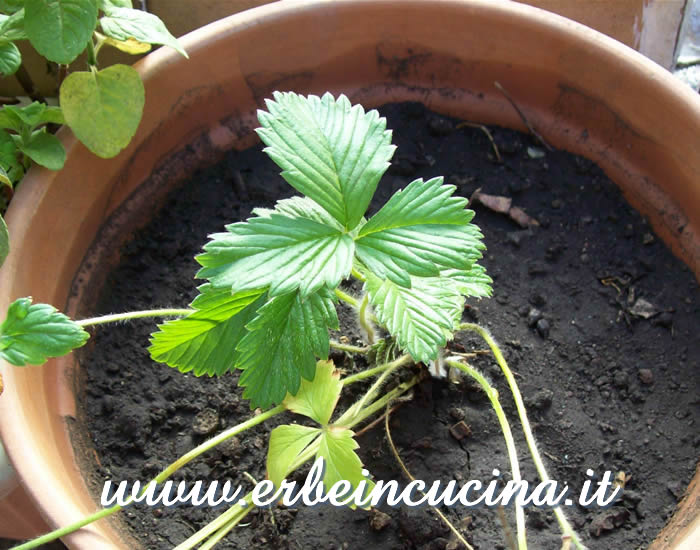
(378, 520)
(460, 431)
(205, 422)
(533, 315)
(608, 520)
(646, 376)
(543, 328)
(542, 399)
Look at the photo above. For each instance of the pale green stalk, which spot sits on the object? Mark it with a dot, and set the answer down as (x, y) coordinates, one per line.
(116, 317)
(347, 298)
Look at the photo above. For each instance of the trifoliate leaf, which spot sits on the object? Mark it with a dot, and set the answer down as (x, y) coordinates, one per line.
(287, 442)
(45, 149)
(285, 338)
(124, 23)
(422, 317)
(60, 29)
(205, 341)
(4, 241)
(330, 151)
(283, 253)
(10, 58)
(337, 447)
(103, 108)
(300, 207)
(474, 282)
(420, 231)
(34, 332)
(317, 399)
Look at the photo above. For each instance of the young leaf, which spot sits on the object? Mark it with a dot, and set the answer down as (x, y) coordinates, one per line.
(317, 399)
(205, 341)
(60, 29)
(45, 149)
(421, 317)
(337, 447)
(287, 442)
(285, 338)
(283, 253)
(474, 282)
(4, 241)
(10, 58)
(34, 332)
(300, 207)
(124, 23)
(103, 108)
(419, 231)
(12, 26)
(330, 151)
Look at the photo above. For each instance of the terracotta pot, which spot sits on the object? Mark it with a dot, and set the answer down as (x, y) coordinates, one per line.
(582, 91)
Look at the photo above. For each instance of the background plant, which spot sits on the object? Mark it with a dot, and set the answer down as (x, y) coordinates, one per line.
(103, 107)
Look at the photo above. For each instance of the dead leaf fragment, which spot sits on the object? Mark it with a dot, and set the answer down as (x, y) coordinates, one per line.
(519, 216)
(496, 203)
(644, 309)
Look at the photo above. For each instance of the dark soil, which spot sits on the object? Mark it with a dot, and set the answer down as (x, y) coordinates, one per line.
(607, 389)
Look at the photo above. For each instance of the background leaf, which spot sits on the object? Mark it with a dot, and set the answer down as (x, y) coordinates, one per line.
(421, 317)
(31, 333)
(11, 6)
(103, 108)
(317, 399)
(205, 341)
(12, 26)
(285, 338)
(283, 253)
(10, 58)
(106, 4)
(45, 149)
(4, 241)
(124, 23)
(330, 151)
(287, 442)
(420, 231)
(60, 29)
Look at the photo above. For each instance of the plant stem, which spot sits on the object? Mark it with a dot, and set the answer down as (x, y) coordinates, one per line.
(348, 347)
(365, 323)
(347, 298)
(91, 56)
(564, 524)
(355, 273)
(165, 474)
(116, 317)
(365, 374)
(492, 394)
(379, 403)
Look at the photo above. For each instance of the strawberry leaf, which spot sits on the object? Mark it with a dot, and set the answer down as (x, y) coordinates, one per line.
(205, 341)
(317, 399)
(285, 338)
(337, 448)
(287, 442)
(34, 332)
(474, 282)
(330, 151)
(420, 231)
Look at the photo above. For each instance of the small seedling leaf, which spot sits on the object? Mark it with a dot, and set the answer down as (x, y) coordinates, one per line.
(283, 253)
(205, 341)
(45, 149)
(474, 282)
(4, 240)
(337, 447)
(285, 338)
(10, 58)
(123, 23)
(419, 231)
(330, 151)
(12, 26)
(287, 442)
(60, 29)
(103, 108)
(317, 399)
(422, 317)
(32, 333)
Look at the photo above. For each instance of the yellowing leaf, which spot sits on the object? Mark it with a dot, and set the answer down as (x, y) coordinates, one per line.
(287, 442)
(317, 399)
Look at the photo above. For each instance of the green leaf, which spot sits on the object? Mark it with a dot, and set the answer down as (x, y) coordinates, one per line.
(317, 399)
(12, 26)
(103, 108)
(330, 151)
(10, 58)
(474, 282)
(8, 157)
(124, 23)
(4, 241)
(285, 338)
(205, 341)
(300, 207)
(106, 4)
(422, 317)
(287, 442)
(130, 46)
(5, 178)
(11, 6)
(45, 149)
(10, 119)
(34, 332)
(420, 231)
(60, 29)
(283, 253)
(337, 447)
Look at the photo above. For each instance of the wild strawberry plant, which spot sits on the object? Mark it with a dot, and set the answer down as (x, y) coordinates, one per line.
(273, 282)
